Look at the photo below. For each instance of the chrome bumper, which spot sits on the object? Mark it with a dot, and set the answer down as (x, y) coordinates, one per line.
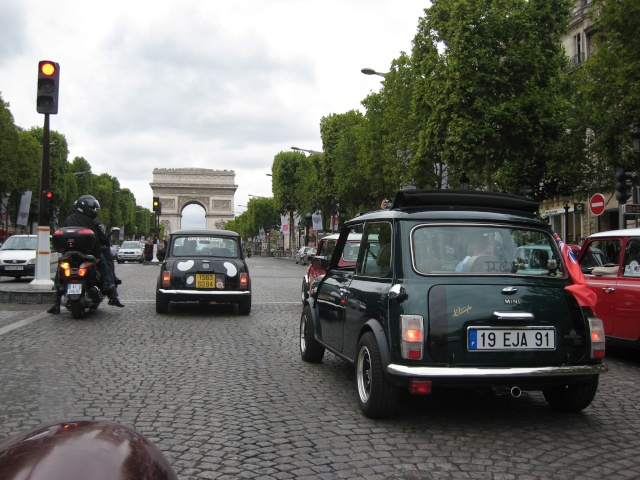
(201, 293)
(494, 372)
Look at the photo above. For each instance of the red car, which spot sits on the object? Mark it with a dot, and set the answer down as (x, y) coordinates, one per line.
(610, 264)
(325, 249)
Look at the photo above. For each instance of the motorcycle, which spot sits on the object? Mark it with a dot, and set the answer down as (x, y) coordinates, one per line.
(249, 253)
(78, 280)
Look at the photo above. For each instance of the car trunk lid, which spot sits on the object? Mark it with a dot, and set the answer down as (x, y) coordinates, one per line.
(484, 325)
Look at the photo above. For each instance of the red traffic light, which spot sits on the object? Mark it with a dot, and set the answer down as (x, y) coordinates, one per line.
(47, 68)
(48, 195)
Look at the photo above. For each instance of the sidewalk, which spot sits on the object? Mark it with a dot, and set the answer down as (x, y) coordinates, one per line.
(23, 292)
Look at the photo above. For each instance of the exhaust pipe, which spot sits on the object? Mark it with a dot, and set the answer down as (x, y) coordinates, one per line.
(515, 392)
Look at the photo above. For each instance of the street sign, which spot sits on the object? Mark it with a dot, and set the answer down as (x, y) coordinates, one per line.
(632, 209)
(597, 204)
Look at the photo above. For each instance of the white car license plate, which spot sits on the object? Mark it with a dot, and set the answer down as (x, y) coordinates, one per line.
(14, 267)
(74, 289)
(535, 338)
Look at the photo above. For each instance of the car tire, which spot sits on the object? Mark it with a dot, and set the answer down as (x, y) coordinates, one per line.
(162, 304)
(573, 397)
(304, 291)
(119, 262)
(141, 260)
(310, 350)
(244, 307)
(376, 395)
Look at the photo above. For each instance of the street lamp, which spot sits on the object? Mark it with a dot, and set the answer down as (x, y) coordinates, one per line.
(464, 182)
(310, 152)
(371, 71)
(79, 173)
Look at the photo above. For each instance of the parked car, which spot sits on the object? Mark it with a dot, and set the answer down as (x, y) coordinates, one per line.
(408, 319)
(18, 256)
(308, 256)
(301, 254)
(204, 266)
(609, 262)
(325, 249)
(130, 251)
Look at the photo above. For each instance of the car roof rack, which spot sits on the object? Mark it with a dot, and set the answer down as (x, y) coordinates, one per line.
(464, 198)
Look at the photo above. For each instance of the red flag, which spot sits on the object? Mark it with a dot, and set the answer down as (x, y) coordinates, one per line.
(582, 293)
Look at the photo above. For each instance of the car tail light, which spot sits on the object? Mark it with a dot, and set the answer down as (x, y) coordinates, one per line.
(596, 334)
(166, 279)
(420, 387)
(66, 269)
(244, 281)
(412, 336)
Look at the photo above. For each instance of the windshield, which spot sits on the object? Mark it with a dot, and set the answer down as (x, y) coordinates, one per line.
(467, 249)
(205, 246)
(20, 243)
(130, 245)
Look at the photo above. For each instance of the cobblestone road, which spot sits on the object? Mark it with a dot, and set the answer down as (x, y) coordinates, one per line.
(225, 396)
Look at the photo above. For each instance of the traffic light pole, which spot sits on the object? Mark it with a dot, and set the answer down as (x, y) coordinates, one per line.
(43, 254)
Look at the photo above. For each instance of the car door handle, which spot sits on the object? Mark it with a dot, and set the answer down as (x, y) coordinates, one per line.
(608, 289)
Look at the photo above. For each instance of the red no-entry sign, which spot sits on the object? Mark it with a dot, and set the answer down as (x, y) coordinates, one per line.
(596, 204)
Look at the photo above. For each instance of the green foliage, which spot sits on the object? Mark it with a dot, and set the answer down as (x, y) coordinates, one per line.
(488, 80)
(612, 86)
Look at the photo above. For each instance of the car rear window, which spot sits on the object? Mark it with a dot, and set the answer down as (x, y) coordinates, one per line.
(485, 250)
(205, 246)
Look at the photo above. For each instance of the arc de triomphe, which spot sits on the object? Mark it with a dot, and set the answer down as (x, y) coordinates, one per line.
(213, 190)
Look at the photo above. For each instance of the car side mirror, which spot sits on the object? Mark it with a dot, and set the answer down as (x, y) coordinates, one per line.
(320, 263)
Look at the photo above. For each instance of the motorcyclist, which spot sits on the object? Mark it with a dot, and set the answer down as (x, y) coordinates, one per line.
(85, 211)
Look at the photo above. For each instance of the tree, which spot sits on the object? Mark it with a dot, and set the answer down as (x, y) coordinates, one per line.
(612, 83)
(488, 81)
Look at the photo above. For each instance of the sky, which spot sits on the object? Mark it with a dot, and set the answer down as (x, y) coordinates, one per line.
(225, 85)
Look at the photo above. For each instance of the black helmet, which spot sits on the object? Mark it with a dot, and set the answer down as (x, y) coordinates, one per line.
(88, 205)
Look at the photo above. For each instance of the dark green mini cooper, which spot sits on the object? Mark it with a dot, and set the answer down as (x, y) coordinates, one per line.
(443, 295)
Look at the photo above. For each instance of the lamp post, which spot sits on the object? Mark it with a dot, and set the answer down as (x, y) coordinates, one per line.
(464, 182)
(371, 71)
(310, 152)
(566, 196)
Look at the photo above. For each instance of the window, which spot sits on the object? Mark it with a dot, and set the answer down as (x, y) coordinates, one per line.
(631, 266)
(470, 249)
(375, 254)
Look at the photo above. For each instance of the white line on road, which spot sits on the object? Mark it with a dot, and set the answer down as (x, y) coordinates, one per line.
(22, 323)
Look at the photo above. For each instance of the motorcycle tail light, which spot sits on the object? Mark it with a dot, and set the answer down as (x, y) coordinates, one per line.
(66, 269)
(412, 336)
(166, 279)
(244, 281)
(84, 267)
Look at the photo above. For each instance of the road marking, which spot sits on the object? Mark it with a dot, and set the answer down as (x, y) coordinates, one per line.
(22, 323)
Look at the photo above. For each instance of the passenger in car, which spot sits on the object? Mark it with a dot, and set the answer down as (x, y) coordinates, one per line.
(475, 248)
(631, 258)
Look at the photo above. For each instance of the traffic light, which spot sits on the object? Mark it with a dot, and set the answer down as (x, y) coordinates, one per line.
(47, 201)
(48, 84)
(156, 204)
(623, 185)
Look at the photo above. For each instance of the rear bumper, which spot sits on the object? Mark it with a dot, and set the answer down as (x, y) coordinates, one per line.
(221, 296)
(496, 373)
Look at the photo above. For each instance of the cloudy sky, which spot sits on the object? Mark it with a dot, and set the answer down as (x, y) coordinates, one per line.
(197, 83)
